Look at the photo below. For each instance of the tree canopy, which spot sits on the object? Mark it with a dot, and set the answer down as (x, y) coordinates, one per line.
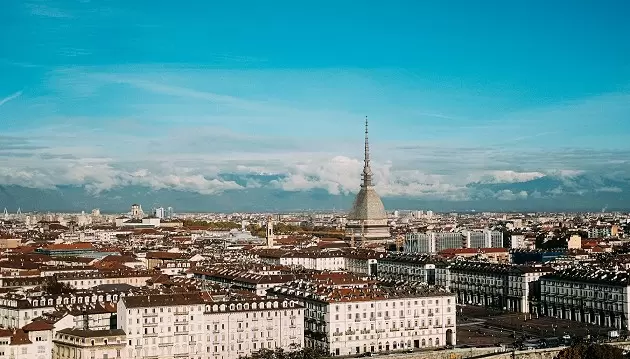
(591, 351)
(53, 286)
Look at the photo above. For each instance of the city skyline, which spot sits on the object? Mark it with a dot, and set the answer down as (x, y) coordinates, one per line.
(489, 105)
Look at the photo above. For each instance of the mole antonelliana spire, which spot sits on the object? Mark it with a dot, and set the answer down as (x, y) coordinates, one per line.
(367, 171)
(367, 218)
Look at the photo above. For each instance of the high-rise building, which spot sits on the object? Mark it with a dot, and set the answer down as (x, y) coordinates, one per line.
(159, 213)
(367, 220)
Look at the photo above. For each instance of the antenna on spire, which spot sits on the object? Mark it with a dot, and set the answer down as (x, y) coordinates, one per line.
(367, 171)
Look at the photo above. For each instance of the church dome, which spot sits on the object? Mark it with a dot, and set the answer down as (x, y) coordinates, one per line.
(367, 206)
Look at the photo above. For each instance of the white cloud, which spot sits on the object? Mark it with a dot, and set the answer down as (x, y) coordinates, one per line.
(507, 195)
(10, 97)
(609, 189)
(509, 176)
(182, 132)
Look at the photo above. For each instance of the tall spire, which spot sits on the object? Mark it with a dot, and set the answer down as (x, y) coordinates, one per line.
(367, 171)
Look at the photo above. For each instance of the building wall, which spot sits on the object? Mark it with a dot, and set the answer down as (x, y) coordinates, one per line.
(349, 328)
(596, 303)
(198, 330)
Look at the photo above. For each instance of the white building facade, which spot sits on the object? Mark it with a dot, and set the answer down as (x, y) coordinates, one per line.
(350, 321)
(191, 325)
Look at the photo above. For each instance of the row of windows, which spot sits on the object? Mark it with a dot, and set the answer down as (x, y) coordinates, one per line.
(402, 304)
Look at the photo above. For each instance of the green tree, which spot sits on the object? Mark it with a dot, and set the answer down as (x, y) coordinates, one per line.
(279, 353)
(591, 351)
(53, 286)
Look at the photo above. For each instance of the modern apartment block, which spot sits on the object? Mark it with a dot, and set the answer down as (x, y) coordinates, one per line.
(433, 242)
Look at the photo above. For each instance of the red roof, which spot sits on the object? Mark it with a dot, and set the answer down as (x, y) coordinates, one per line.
(20, 337)
(37, 326)
(70, 246)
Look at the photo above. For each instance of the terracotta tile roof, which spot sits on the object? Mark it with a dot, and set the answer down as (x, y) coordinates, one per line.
(20, 337)
(38, 325)
(163, 300)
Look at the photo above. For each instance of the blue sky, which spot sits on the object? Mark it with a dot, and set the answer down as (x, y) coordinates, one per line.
(109, 93)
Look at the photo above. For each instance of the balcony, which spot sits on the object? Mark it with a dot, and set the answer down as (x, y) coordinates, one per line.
(351, 332)
(150, 334)
(150, 324)
(181, 312)
(337, 334)
(357, 319)
(149, 315)
(394, 330)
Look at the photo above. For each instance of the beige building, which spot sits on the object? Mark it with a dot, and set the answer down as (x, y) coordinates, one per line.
(10, 243)
(86, 344)
(574, 242)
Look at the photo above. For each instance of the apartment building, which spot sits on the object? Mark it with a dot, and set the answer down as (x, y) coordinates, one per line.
(79, 343)
(503, 286)
(331, 259)
(33, 341)
(588, 295)
(375, 318)
(433, 242)
(360, 261)
(414, 267)
(84, 278)
(241, 279)
(17, 310)
(195, 325)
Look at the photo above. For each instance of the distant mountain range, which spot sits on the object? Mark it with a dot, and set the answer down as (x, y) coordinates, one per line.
(578, 193)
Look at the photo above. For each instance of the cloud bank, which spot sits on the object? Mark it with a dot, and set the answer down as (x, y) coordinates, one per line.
(104, 129)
